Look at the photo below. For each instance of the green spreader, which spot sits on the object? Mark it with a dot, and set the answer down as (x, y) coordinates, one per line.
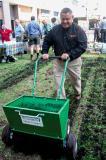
(47, 117)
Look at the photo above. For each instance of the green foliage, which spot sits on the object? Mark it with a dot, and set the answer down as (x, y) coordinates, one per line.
(87, 117)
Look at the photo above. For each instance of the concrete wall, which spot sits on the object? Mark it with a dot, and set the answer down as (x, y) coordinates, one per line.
(29, 3)
(1, 10)
(11, 10)
(25, 16)
(14, 12)
(6, 11)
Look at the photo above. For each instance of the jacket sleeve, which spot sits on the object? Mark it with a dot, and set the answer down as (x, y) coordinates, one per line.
(10, 31)
(48, 41)
(82, 45)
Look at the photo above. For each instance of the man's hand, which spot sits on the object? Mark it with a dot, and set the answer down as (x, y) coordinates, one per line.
(45, 56)
(64, 56)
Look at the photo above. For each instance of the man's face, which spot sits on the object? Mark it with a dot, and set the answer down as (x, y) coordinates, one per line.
(66, 19)
(16, 22)
(44, 22)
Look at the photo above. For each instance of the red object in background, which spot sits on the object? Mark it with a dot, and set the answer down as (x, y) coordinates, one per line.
(5, 34)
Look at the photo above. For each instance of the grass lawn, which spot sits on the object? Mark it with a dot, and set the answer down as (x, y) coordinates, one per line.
(9, 69)
(87, 118)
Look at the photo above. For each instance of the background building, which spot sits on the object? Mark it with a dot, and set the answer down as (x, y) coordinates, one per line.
(23, 10)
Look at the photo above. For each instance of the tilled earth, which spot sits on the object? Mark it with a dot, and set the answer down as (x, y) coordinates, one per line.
(87, 116)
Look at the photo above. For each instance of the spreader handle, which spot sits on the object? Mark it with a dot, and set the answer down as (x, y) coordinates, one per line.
(62, 78)
(52, 58)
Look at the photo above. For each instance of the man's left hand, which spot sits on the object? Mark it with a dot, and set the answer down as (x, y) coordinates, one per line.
(64, 56)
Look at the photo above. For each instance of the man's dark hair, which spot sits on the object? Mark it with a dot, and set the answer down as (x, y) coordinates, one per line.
(66, 10)
(104, 17)
(32, 18)
(53, 20)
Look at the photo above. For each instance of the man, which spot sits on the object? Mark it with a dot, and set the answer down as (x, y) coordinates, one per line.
(53, 22)
(5, 33)
(34, 33)
(5, 37)
(103, 30)
(19, 30)
(69, 41)
(97, 31)
(46, 27)
(75, 20)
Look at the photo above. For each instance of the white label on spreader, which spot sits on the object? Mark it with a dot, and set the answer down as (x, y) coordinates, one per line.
(31, 120)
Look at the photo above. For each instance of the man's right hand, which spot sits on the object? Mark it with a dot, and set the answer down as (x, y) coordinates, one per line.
(45, 56)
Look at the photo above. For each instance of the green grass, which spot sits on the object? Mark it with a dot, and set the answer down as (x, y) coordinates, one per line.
(9, 69)
(25, 86)
(86, 121)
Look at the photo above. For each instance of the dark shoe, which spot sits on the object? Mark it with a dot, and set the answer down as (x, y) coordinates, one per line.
(37, 55)
(31, 57)
(25, 52)
(78, 97)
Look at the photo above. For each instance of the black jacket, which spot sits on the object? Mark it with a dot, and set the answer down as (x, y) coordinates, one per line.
(72, 41)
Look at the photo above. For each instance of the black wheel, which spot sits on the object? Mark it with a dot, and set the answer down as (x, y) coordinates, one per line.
(71, 144)
(7, 135)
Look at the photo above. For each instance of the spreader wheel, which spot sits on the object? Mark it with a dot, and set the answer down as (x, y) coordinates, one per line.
(72, 145)
(7, 135)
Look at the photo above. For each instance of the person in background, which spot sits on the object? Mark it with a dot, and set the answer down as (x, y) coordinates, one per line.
(97, 31)
(34, 34)
(5, 37)
(46, 27)
(75, 20)
(103, 30)
(69, 41)
(19, 31)
(5, 33)
(53, 22)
